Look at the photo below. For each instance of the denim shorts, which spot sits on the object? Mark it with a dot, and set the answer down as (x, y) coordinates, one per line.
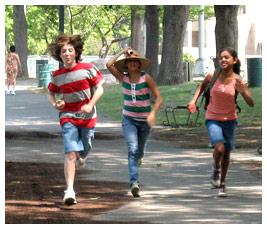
(222, 132)
(77, 139)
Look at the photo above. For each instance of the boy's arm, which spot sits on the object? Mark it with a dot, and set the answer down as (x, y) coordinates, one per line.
(51, 98)
(59, 104)
(97, 95)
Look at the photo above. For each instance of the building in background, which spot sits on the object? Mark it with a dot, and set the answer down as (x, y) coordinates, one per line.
(250, 37)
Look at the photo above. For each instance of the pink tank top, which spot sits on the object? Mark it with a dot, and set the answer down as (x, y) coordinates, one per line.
(222, 105)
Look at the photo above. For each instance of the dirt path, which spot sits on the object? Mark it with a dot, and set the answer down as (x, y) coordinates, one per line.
(33, 194)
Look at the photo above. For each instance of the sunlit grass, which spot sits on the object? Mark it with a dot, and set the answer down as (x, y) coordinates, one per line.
(111, 103)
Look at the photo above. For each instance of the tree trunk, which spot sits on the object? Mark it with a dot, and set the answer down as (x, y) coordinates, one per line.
(152, 39)
(103, 50)
(137, 32)
(226, 29)
(174, 27)
(20, 32)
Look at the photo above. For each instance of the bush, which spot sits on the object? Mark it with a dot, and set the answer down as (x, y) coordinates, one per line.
(188, 58)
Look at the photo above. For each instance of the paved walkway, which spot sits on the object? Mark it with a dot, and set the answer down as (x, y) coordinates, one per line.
(175, 184)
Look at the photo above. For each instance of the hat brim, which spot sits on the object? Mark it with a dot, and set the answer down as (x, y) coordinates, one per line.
(120, 64)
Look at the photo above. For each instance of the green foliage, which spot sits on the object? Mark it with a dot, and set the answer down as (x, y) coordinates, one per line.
(42, 25)
(188, 58)
(9, 25)
(195, 11)
(91, 21)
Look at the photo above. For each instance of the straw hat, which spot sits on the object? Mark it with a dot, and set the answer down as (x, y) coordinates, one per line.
(132, 54)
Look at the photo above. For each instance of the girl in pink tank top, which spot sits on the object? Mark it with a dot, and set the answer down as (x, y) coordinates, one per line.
(221, 116)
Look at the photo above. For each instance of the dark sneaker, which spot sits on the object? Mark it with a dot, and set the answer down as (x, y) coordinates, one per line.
(135, 190)
(222, 191)
(215, 177)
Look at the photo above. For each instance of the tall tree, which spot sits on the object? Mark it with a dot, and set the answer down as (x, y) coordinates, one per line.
(20, 34)
(112, 21)
(42, 26)
(152, 38)
(226, 29)
(174, 27)
(137, 30)
(72, 15)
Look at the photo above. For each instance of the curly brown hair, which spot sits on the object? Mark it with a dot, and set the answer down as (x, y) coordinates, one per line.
(54, 48)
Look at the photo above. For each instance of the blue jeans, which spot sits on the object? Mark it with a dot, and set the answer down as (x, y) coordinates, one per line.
(136, 135)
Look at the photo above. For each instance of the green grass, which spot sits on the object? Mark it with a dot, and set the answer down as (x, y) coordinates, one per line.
(111, 103)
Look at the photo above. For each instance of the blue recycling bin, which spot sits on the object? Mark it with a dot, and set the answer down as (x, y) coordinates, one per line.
(44, 74)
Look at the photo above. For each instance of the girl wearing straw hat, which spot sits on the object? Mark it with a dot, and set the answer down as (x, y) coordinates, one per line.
(138, 116)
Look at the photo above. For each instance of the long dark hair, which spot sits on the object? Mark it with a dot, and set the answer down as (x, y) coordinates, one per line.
(233, 53)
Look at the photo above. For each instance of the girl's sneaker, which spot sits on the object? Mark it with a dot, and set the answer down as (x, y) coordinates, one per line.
(135, 190)
(222, 190)
(7, 92)
(215, 177)
(69, 197)
(13, 92)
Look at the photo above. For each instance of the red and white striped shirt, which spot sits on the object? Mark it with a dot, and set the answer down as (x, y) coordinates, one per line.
(77, 86)
(222, 105)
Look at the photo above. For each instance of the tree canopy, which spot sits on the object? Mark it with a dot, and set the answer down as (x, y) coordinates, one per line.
(103, 27)
(95, 23)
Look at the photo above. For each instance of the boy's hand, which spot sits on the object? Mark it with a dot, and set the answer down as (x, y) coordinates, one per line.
(60, 104)
(86, 108)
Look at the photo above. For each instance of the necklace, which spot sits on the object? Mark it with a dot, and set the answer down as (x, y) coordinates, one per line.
(225, 80)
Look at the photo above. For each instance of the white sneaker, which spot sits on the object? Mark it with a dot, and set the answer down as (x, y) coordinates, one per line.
(80, 163)
(222, 191)
(7, 92)
(69, 197)
(135, 190)
(13, 92)
(215, 177)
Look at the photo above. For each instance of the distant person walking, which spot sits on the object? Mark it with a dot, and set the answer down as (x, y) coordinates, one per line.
(221, 115)
(138, 117)
(13, 67)
(81, 87)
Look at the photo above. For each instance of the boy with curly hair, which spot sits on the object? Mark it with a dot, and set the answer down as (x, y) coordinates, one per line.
(81, 87)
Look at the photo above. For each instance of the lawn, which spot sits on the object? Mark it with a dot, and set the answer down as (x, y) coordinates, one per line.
(111, 103)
